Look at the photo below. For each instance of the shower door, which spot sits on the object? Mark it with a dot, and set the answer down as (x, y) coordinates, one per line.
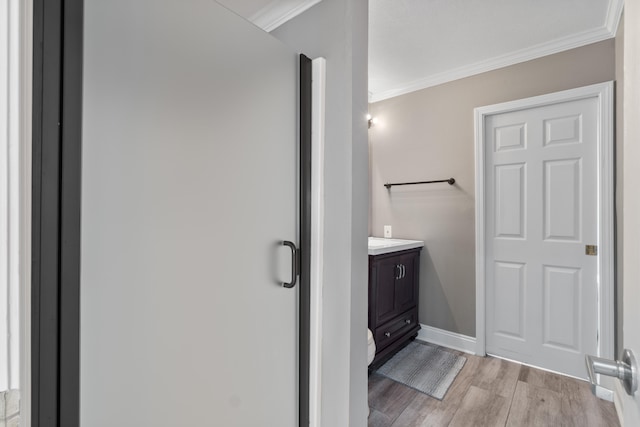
(189, 187)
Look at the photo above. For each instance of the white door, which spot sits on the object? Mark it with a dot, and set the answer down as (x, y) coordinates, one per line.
(542, 209)
(189, 186)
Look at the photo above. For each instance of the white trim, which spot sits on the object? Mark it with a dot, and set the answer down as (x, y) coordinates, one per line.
(15, 112)
(447, 339)
(8, 118)
(540, 50)
(318, 90)
(480, 221)
(606, 234)
(278, 12)
(26, 71)
(604, 93)
(614, 13)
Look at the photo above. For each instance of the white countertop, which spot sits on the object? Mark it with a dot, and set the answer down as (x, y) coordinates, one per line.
(379, 245)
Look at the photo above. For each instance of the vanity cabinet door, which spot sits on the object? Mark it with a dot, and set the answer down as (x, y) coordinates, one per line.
(406, 292)
(387, 273)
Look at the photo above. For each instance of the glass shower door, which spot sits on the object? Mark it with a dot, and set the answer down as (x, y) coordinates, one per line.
(189, 186)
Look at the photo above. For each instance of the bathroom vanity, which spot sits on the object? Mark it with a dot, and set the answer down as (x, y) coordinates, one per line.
(394, 266)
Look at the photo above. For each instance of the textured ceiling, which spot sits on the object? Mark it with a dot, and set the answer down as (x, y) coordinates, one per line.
(414, 44)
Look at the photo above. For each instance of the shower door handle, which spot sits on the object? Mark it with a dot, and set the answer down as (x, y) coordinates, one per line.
(294, 264)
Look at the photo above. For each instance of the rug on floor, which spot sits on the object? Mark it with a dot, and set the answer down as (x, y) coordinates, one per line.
(424, 367)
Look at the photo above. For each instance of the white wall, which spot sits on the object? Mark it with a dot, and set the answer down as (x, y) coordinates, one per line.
(337, 31)
(15, 212)
(619, 185)
(630, 406)
(10, 175)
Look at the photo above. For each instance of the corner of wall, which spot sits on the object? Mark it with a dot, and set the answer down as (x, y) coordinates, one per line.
(619, 182)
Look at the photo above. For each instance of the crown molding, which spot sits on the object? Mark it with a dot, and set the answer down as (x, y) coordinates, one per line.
(613, 16)
(278, 12)
(605, 32)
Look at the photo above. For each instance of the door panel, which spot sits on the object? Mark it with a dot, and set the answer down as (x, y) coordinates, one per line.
(510, 309)
(541, 212)
(387, 272)
(563, 130)
(562, 296)
(511, 137)
(189, 185)
(405, 289)
(562, 204)
(510, 201)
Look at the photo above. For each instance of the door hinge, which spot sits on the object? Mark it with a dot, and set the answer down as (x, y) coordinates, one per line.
(591, 250)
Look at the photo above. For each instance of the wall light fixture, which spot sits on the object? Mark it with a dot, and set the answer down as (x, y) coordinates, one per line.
(371, 120)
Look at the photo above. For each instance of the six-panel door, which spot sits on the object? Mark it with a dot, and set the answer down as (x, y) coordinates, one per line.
(542, 188)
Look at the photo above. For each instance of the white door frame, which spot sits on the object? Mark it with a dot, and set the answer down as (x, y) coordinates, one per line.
(16, 77)
(605, 159)
(318, 104)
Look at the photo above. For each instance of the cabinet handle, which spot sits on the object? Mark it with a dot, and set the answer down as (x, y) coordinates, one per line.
(404, 271)
(408, 321)
(387, 334)
(398, 271)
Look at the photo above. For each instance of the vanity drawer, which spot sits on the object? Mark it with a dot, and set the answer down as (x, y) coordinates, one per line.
(396, 328)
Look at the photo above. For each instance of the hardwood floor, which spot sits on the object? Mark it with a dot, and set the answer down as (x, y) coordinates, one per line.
(491, 392)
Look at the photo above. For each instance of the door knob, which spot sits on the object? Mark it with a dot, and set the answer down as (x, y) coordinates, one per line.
(626, 370)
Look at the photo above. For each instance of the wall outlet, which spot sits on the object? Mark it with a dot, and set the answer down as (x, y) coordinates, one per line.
(387, 231)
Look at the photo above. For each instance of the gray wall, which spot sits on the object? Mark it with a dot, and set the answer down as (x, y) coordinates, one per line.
(337, 31)
(429, 134)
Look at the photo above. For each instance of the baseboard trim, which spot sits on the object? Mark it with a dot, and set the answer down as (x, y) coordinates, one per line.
(448, 339)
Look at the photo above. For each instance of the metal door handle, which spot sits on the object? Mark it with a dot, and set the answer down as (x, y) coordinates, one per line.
(294, 264)
(626, 370)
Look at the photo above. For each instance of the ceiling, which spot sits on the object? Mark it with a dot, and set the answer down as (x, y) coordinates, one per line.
(268, 14)
(414, 44)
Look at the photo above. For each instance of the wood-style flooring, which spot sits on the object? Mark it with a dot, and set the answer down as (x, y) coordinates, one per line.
(491, 392)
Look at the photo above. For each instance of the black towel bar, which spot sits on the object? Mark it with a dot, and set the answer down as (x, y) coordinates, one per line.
(450, 181)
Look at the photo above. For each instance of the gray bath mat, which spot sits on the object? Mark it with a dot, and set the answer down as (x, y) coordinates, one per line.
(424, 368)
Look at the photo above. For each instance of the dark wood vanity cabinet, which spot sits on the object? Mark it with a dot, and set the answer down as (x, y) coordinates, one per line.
(393, 301)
